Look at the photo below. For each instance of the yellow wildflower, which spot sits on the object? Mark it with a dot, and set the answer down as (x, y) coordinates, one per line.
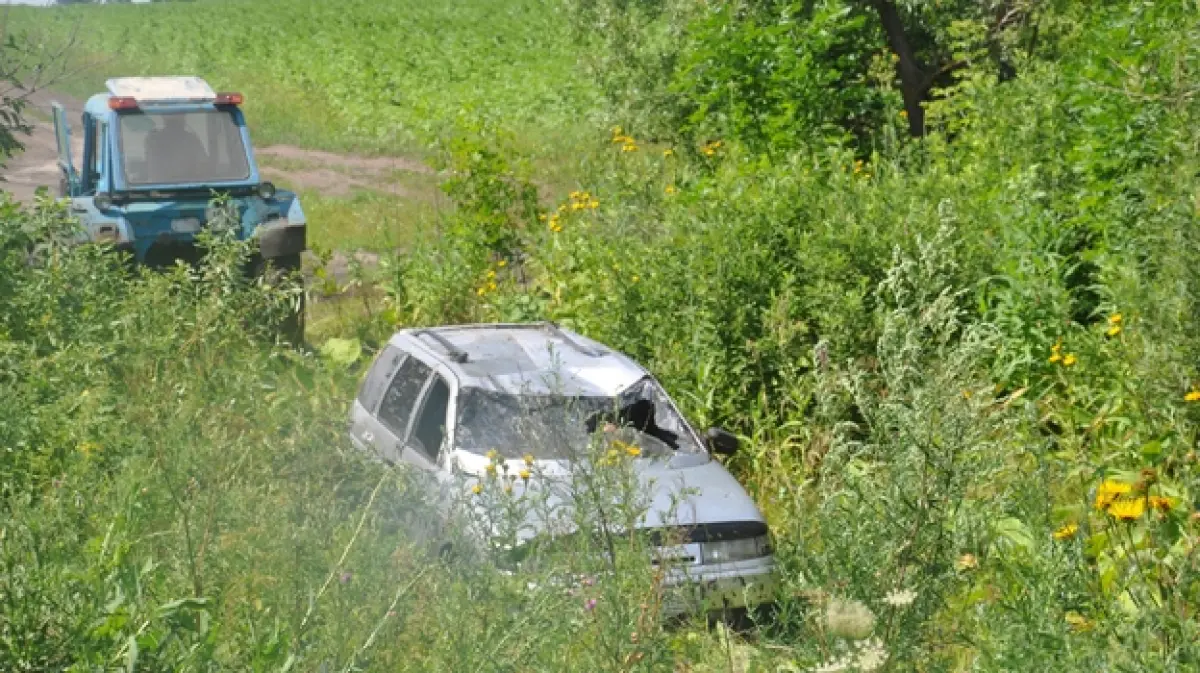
(477, 489)
(858, 166)
(481, 291)
(556, 227)
(525, 474)
(904, 114)
(1057, 347)
(636, 278)
(966, 394)
(502, 263)
(1066, 532)
(1115, 318)
(1192, 396)
(542, 217)
(1055, 358)
(668, 152)
(633, 451)
(1113, 331)
(967, 562)
(1108, 491)
(1127, 510)
(528, 458)
(593, 204)
(671, 189)
(1069, 360)
(492, 454)
(629, 147)
(491, 469)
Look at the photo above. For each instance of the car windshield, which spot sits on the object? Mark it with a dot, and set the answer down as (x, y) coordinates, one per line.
(559, 427)
(178, 148)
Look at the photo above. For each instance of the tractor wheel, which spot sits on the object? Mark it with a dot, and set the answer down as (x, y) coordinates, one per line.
(292, 328)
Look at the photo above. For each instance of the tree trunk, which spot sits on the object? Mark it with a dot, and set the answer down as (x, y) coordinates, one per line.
(914, 81)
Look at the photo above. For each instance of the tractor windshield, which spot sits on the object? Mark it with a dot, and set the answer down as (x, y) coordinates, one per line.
(177, 148)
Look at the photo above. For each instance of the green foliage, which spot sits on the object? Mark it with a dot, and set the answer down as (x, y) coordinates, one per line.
(778, 76)
(964, 367)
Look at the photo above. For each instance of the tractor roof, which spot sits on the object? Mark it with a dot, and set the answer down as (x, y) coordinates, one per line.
(162, 89)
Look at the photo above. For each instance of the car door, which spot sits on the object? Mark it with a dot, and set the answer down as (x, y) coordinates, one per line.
(427, 437)
(62, 136)
(370, 393)
(388, 427)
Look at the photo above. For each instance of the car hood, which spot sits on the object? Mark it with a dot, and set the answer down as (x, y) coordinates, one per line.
(686, 489)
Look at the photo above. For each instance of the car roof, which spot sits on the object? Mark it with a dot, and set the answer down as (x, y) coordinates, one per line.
(525, 358)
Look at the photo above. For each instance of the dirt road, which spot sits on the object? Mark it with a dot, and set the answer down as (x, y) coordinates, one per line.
(290, 167)
(38, 165)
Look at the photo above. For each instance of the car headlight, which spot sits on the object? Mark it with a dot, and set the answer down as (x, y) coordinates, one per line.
(730, 551)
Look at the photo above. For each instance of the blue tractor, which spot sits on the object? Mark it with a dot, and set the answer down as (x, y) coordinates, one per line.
(157, 151)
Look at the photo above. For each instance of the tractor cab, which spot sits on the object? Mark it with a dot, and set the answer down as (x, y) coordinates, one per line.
(156, 151)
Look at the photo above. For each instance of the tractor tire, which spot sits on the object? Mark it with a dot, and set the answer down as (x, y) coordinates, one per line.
(291, 329)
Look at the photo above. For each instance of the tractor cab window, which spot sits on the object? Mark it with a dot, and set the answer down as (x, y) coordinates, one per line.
(173, 148)
(96, 169)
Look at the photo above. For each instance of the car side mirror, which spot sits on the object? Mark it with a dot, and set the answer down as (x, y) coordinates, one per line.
(721, 441)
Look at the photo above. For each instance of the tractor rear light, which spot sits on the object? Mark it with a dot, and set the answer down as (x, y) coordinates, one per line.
(229, 98)
(122, 103)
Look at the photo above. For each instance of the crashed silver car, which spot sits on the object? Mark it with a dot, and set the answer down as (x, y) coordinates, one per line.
(459, 401)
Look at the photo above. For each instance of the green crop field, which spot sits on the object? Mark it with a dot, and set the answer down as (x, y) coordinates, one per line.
(354, 74)
(368, 77)
(934, 263)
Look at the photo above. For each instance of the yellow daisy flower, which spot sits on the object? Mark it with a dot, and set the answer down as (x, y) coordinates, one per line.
(1066, 532)
(1127, 510)
(1109, 491)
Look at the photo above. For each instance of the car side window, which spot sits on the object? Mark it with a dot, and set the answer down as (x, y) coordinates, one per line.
(401, 396)
(378, 378)
(430, 428)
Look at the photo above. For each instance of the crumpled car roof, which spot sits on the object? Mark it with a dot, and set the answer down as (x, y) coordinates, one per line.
(529, 359)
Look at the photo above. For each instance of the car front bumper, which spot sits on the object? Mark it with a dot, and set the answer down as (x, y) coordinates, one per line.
(714, 588)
